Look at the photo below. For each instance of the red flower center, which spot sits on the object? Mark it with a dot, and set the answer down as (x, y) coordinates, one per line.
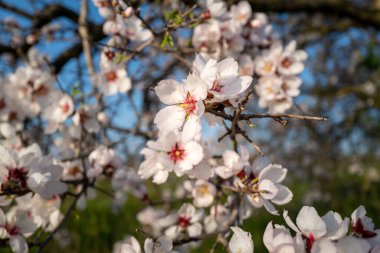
(2, 104)
(41, 91)
(110, 55)
(15, 181)
(286, 62)
(111, 76)
(360, 230)
(12, 229)
(177, 153)
(216, 86)
(65, 107)
(309, 242)
(189, 104)
(184, 221)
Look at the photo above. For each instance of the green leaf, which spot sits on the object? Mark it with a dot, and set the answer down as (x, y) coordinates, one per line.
(167, 40)
(76, 89)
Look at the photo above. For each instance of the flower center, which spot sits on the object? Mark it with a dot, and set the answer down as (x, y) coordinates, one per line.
(286, 62)
(360, 230)
(110, 55)
(203, 190)
(2, 104)
(12, 229)
(65, 107)
(268, 67)
(15, 181)
(309, 241)
(189, 104)
(177, 153)
(184, 221)
(111, 76)
(216, 86)
(73, 171)
(41, 91)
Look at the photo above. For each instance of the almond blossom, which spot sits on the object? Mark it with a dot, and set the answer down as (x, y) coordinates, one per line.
(185, 102)
(203, 193)
(28, 170)
(173, 152)
(241, 241)
(114, 79)
(188, 221)
(222, 77)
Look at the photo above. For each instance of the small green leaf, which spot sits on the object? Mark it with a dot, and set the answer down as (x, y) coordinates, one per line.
(76, 89)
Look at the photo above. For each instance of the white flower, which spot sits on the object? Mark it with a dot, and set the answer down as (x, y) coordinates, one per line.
(162, 244)
(217, 220)
(87, 117)
(203, 193)
(222, 77)
(241, 12)
(132, 28)
(233, 164)
(114, 79)
(277, 93)
(241, 241)
(214, 8)
(128, 245)
(362, 224)
(58, 112)
(185, 102)
(206, 39)
(16, 225)
(350, 244)
(173, 151)
(336, 228)
(188, 220)
(278, 239)
(291, 60)
(28, 169)
(263, 180)
(309, 224)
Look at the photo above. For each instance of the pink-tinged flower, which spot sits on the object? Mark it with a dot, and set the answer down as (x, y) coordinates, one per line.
(203, 193)
(291, 60)
(58, 112)
(188, 221)
(173, 152)
(309, 224)
(223, 79)
(15, 226)
(214, 9)
(263, 181)
(241, 12)
(185, 102)
(206, 39)
(114, 79)
(241, 241)
(44, 212)
(218, 220)
(362, 225)
(247, 65)
(86, 117)
(276, 93)
(27, 170)
(233, 164)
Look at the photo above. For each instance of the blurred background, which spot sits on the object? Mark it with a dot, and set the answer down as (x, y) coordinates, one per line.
(333, 165)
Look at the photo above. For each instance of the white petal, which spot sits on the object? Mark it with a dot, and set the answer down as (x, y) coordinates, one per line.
(169, 92)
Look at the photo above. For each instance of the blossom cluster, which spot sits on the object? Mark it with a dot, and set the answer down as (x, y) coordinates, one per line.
(249, 37)
(316, 234)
